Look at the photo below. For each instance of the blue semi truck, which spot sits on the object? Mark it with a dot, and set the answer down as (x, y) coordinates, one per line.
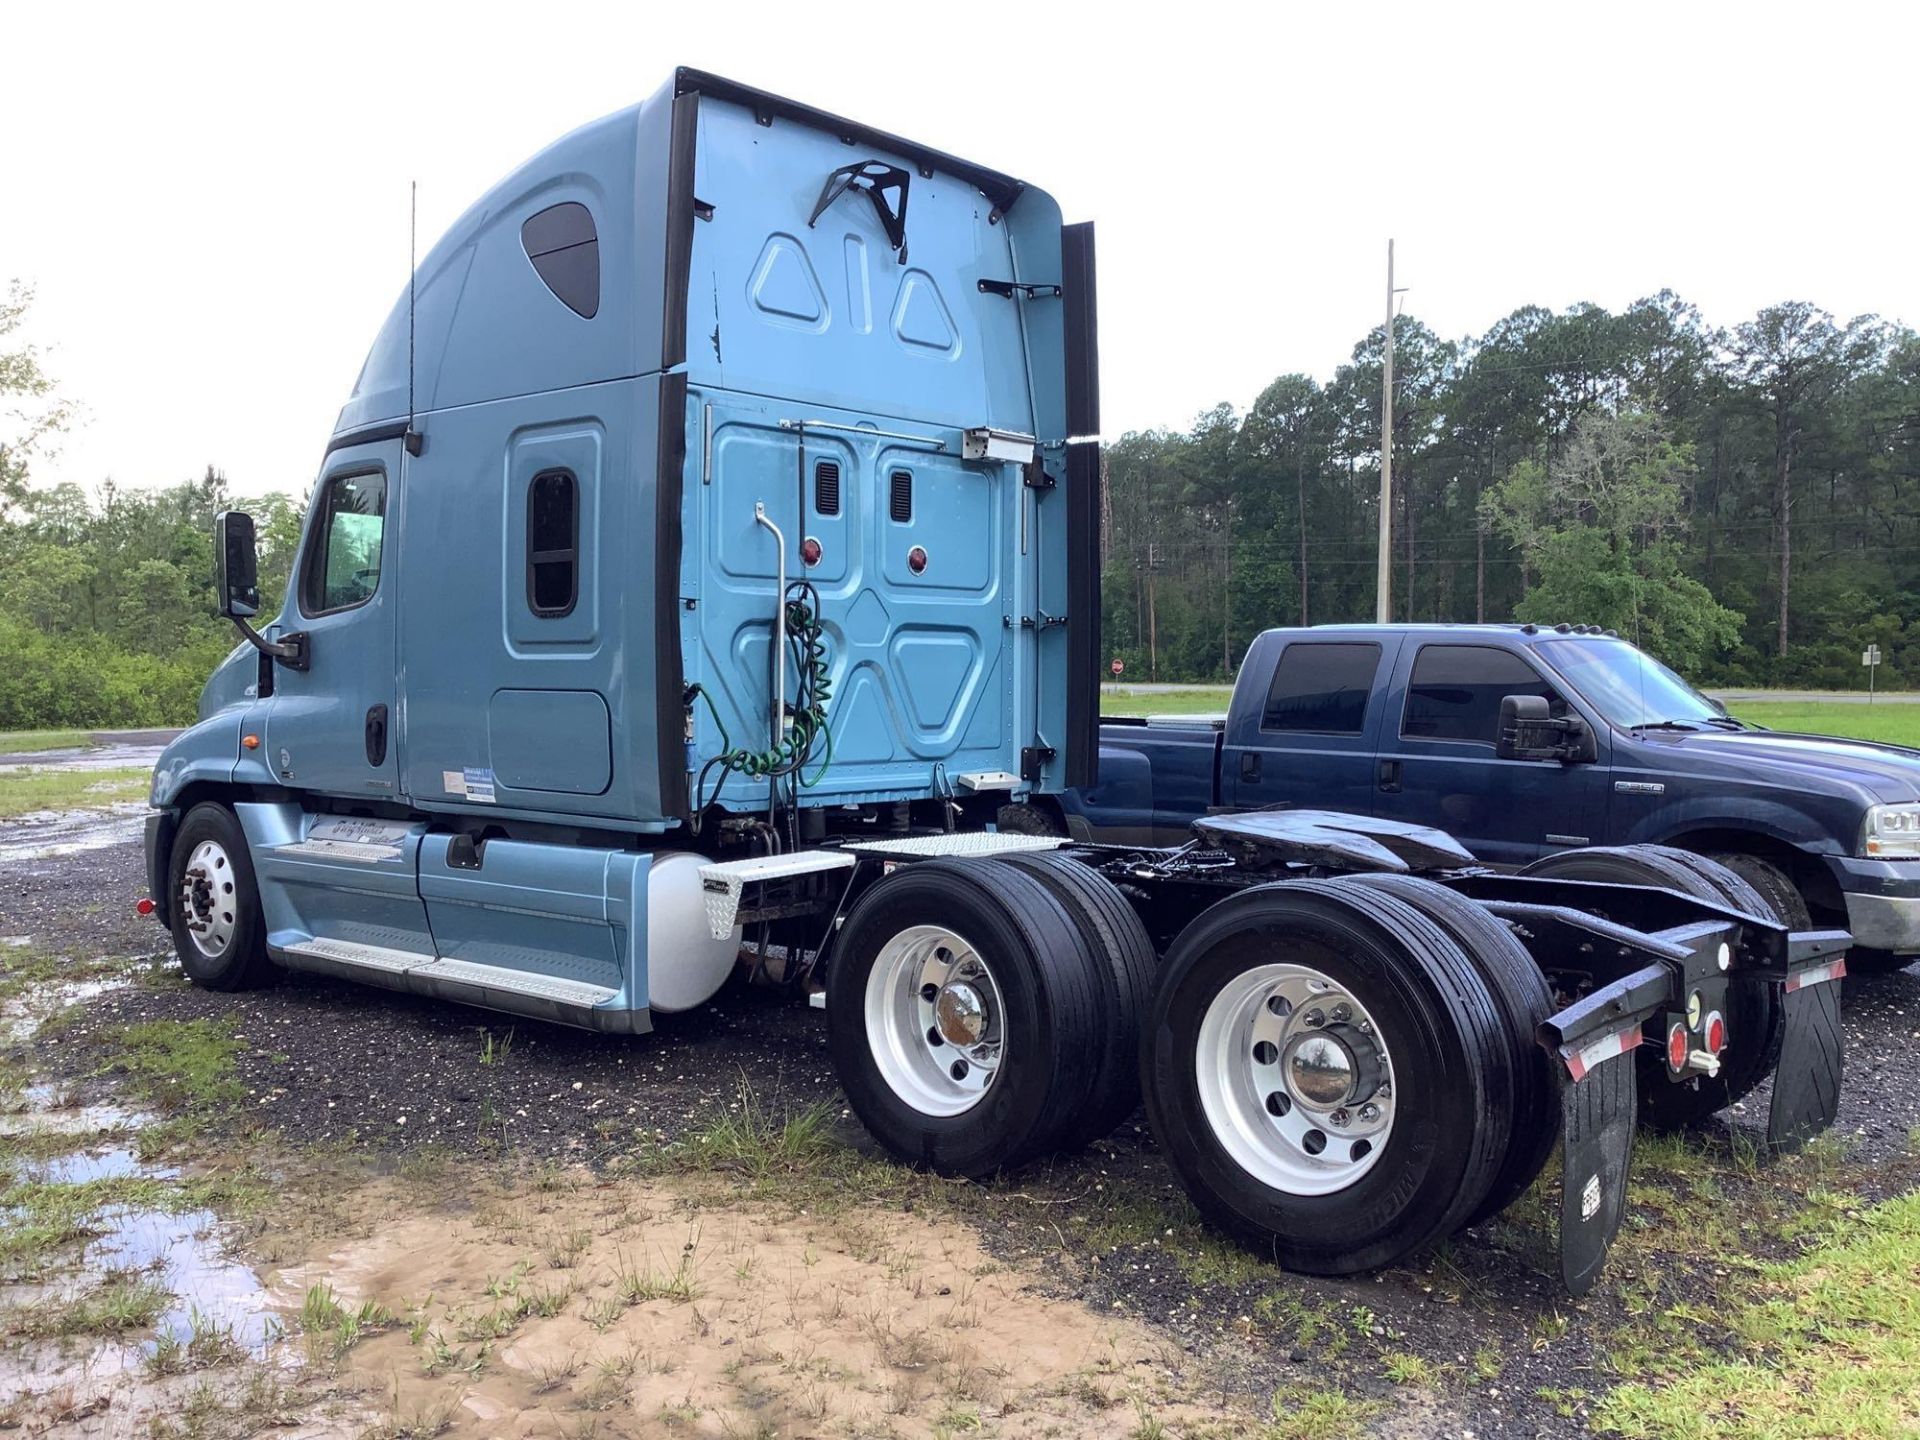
(706, 557)
(1412, 723)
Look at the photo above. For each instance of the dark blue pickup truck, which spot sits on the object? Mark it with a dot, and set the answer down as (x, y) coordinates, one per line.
(1522, 741)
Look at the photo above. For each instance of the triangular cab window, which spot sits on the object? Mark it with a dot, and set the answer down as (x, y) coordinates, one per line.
(565, 251)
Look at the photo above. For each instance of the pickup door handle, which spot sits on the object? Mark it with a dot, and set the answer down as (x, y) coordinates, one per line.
(1249, 764)
(1390, 776)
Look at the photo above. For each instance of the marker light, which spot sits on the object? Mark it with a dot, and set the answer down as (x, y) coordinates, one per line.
(810, 550)
(252, 742)
(143, 906)
(1677, 1046)
(1716, 1033)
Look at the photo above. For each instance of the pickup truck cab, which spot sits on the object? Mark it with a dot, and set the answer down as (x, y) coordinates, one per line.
(1602, 745)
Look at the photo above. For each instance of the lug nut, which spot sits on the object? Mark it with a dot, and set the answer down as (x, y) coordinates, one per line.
(1339, 1118)
(1342, 1013)
(1313, 1019)
(1369, 1112)
(1384, 1092)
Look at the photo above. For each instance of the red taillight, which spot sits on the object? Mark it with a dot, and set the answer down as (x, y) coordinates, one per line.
(1716, 1033)
(1677, 1046)
(143, 906)
(917, 560)
(810, 550)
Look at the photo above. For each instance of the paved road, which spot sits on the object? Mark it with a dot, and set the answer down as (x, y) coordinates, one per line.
(1815, 697)
(112, 750)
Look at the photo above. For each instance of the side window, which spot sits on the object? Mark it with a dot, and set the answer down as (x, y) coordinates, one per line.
(553, 543)
(565, 250)
(1321, 687)
(1456, 691)
(343, 558)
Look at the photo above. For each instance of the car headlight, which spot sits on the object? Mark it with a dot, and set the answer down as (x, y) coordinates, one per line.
(1892, 832)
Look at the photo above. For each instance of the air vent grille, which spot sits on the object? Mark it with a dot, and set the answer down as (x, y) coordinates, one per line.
(900, 497)
(826, 487)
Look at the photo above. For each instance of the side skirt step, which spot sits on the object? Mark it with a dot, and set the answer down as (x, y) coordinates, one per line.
(496, 987)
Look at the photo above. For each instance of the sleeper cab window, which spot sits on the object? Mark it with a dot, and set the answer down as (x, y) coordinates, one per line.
(1455, 692)
(564, 247)
(553, 543)
(343, 561)
(1321, 688)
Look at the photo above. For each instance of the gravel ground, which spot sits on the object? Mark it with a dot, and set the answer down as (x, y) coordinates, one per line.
(334, 1063)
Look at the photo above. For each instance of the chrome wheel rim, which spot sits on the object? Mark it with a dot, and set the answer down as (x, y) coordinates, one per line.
(935, 1020)
(1295, 1080)
(207, 898)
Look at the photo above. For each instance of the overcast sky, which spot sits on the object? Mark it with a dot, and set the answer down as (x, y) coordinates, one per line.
(212, 202)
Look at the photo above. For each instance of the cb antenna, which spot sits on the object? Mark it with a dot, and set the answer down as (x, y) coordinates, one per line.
(415, 441)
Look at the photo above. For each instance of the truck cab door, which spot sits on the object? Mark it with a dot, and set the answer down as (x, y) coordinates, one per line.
(332, 728)
(1303, 737)
(1437, 764)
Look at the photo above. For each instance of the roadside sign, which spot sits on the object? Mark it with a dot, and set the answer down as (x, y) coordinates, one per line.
(1117, 667)
(1870, 657)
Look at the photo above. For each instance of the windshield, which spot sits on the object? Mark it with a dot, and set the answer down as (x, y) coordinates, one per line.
(1628, 686)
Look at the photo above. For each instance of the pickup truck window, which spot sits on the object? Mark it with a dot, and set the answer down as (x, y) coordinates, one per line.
(1456, 691)
(1321, 687)
(1628, 686)
(343, 560)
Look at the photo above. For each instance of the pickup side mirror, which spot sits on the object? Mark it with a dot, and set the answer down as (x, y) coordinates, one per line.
(236, 565)
(1530, 731)
(236, 587)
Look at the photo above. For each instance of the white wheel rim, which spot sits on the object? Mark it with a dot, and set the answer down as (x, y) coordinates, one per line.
(935, 1020)
(207, 898)
(1295, 1080)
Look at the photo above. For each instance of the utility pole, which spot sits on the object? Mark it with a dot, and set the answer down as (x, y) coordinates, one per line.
(1383, 584)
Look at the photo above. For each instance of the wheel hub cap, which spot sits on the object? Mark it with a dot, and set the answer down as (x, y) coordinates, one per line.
(961, 1014)
(935, 1020)
(1295, 1079)
(206, 899)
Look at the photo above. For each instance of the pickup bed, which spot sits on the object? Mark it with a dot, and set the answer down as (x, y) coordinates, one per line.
(1405, 723)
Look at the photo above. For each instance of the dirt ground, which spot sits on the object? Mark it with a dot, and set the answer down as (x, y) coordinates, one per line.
(462, 1223)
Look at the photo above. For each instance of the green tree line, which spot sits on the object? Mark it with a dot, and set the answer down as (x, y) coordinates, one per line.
(1743, 501)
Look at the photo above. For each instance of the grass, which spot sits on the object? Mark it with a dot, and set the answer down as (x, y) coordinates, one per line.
(1895, 723)
(182, 1065)
(27, 788)
(1187, 700)
(1831, 1347)
(27, 742)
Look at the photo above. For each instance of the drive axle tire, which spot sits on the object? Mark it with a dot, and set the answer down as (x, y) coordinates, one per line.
(964, 1015)
(214, 903)
(1327, 1073)
(1521, 993)
(1028, 820)
(1128, 970)
(1754, 1015)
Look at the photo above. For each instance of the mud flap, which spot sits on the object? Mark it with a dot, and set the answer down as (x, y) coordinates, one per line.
(1600, 1098)
(1806, 1079)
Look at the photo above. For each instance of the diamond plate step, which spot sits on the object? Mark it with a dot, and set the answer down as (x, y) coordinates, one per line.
(722, 881)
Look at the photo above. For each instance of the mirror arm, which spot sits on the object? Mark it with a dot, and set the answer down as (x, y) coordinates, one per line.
(290, 650)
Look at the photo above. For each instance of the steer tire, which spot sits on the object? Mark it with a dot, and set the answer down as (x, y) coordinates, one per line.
(1448, 1061)
(1049, 1022)
(1028, 820)
(1754, 1015)
(229, 951)
(1128, 971)
(1524, 999)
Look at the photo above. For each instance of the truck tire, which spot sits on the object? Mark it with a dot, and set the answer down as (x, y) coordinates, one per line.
(1120, 941)
(1754, 1015)
(214, 903)
(1240, 1078)
(1524, 999)
(1028, 820)
(964, 1015)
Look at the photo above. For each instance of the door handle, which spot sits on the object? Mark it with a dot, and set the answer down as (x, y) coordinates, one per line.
(1250, 765)
(1390, 776)
(377, 736)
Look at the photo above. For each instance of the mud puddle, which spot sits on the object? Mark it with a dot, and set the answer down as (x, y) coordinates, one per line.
(52, 834)
(100, 757)
(196, 1303)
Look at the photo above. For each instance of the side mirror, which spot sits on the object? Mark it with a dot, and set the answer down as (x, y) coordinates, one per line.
(1530, 731)
(236, 585)
(236, 565)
